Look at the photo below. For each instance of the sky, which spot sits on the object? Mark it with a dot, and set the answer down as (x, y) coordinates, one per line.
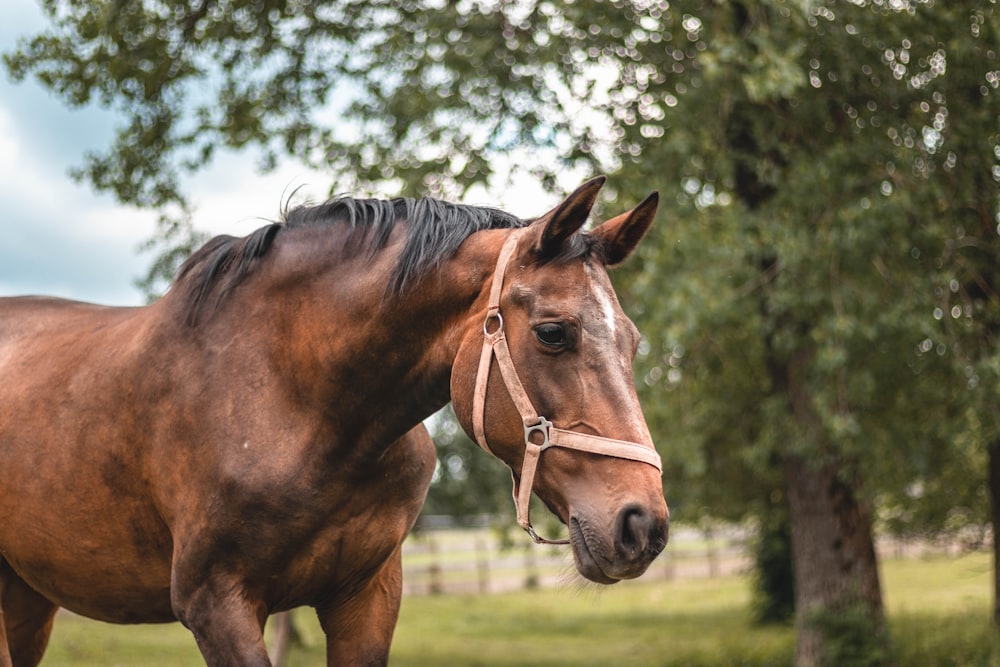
(60, 238)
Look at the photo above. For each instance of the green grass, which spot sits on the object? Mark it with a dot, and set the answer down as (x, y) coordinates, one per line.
(84, 643)
(939, 610)
(637, 625)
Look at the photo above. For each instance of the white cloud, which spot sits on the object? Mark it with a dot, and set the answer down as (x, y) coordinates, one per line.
(58, 238)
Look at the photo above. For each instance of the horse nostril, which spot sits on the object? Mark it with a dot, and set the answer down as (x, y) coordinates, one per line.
(635, 527)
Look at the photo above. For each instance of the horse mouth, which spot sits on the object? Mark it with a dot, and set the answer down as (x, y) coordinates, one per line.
(586, 562)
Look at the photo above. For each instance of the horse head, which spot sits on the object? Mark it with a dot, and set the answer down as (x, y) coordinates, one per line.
(543, 380)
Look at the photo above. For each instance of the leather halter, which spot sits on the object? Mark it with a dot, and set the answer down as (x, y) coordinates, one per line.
(536, 427)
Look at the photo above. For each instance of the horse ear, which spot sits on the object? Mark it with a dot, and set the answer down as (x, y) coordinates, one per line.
(566, 219)
(620, 235)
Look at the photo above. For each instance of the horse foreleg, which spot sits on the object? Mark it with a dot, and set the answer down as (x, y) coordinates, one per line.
(25, 621)
(226, 623)
(359, 629)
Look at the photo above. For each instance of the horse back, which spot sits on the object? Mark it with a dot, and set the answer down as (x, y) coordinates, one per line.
(53, 347)
(26, 318)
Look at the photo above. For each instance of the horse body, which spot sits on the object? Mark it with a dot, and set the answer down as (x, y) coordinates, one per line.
(251, 442)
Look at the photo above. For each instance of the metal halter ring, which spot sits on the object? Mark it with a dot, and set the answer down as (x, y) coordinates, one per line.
(486, 323)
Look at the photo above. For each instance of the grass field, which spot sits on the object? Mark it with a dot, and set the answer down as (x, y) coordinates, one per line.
(938, 610)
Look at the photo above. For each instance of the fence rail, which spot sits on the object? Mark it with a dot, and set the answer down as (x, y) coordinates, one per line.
(474, 560)
(443, 559)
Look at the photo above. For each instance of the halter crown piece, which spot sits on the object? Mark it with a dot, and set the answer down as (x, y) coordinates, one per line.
(536, 427)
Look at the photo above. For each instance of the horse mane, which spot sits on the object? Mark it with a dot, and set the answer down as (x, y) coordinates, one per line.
(435, 230)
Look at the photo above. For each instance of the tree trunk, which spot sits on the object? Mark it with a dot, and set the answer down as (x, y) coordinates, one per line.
(838, 599)
(993, 452)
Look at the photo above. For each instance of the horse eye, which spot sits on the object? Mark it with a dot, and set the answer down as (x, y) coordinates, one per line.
(551, 335)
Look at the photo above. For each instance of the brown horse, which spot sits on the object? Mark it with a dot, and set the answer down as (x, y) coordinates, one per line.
(251, 442)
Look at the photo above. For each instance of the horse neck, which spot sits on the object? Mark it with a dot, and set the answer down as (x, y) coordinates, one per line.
(378, 364)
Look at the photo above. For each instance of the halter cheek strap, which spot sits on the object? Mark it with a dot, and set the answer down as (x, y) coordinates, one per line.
(539, 433)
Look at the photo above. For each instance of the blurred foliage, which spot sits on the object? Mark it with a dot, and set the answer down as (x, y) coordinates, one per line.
(850, 642)
(467, 482)
(773, 585)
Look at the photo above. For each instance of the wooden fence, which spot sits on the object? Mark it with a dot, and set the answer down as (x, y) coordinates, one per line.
(475, 560)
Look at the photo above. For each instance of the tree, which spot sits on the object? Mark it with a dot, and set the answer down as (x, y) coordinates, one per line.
(802, 145)
(827, 151)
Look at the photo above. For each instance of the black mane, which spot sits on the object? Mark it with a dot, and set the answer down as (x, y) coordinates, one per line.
(435, 230)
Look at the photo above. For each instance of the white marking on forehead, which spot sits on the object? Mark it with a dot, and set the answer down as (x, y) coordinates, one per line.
(603, 299)
(618, 381)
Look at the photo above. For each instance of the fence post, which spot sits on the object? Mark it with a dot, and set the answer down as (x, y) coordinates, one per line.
(436, 585)
(670, 571)
(531, 580)
(482, 564)
(713, 556)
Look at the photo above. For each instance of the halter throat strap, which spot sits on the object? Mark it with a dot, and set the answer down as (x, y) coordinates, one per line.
(539, 433)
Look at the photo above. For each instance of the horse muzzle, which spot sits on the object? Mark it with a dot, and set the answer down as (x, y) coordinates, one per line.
(636, 537)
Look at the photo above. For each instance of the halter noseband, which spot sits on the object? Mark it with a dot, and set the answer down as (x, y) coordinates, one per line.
(535, 426)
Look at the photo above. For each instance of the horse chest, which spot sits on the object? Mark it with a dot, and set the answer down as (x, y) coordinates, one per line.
(323, 533)
(369, 523)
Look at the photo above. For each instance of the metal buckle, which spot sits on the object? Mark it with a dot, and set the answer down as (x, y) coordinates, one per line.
(543, 426)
